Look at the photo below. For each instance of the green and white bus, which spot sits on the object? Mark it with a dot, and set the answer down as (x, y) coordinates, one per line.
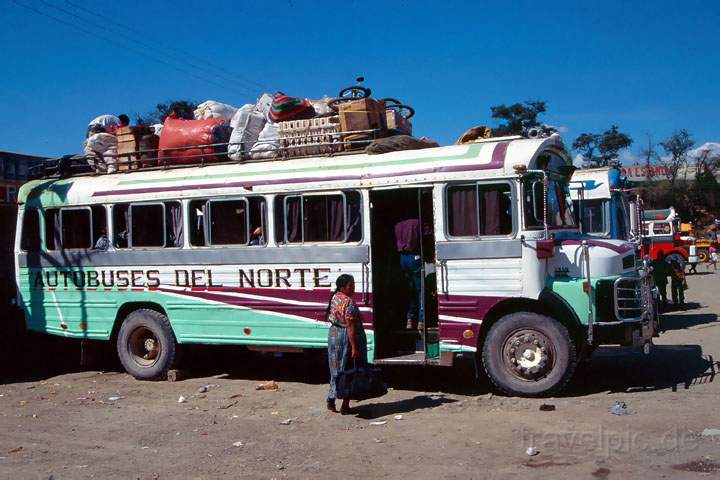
(246, 254)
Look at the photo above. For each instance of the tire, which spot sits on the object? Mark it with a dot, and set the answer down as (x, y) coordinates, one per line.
(703, 255)
(146, 345)
(678, 258)
(347, 94)
(548, 364)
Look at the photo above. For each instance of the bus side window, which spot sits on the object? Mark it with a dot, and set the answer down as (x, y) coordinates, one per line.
(462, 211)
(76, 228)
(319, 218)
(198, 227)
(353, 204)
(228, 222)
(147, 225)
(120, 213)
(52, 228)
(173, 225)
(258, 216)
(477, 210)
(30, 237)
(99, 227)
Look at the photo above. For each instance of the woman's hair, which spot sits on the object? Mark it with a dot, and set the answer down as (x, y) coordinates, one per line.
(340, 283)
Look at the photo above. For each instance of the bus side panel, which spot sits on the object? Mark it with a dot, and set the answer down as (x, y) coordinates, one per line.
(280, 305)
(60, 302)
(472, 287)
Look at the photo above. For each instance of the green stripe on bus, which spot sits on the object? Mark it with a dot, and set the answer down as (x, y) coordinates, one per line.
(472, 152)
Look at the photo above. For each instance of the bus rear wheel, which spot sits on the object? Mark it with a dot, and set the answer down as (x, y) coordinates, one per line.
(528, 354)
(146, 345)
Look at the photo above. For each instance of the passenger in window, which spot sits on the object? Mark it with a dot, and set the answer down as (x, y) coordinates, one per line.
(103, 243)
(257, 236)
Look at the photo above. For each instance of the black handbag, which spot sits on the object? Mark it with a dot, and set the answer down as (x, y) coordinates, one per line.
(360, 383)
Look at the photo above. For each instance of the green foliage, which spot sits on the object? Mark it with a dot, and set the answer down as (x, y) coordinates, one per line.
(602, 149)
(517, 117)
(182, 108)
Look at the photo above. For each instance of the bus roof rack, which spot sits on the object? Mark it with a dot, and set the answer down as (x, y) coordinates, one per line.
(300, 146)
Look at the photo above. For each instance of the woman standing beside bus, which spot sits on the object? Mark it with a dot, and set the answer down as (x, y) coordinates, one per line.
(347, 343)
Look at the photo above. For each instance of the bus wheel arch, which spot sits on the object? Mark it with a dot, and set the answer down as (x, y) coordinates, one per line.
(129, 307)
(540, 341)
(146, 344)
(549, 304)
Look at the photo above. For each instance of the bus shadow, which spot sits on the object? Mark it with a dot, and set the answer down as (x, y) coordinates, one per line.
(624, 370)
(680, 321)
(33, 357)
(610, 370)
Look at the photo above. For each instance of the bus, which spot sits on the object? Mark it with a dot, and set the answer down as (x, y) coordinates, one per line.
(246, 253)
(605, 205)
(662, 233)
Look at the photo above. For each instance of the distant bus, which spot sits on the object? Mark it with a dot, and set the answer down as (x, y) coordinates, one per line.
(247, 253)
(605, 205)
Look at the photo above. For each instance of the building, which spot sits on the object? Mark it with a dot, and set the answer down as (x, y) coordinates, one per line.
(13, 173)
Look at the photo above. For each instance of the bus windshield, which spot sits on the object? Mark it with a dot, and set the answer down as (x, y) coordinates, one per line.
(559, 204)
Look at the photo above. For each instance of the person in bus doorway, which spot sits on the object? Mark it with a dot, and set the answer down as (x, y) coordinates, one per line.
(660, 272)
(347, 343)
(678, 284)
(407, 240)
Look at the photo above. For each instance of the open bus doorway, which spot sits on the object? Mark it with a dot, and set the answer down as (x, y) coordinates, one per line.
(399, 340)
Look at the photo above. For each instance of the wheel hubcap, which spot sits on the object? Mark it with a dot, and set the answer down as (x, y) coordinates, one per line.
(144, 347)
(528, 354)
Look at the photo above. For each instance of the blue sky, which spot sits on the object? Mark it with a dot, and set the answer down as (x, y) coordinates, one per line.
(649, 67)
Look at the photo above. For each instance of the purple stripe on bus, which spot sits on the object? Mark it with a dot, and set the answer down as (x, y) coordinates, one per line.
(498, 155)
(461, 306)
(312, 312)
(252, 183)
(466, 306)
(454, 331)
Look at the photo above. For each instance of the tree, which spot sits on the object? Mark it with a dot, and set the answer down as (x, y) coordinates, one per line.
(650, 156)
(586, 144)
(702, 195)
(182, 108)
(676, 147)
(602, 149)
(518, 117)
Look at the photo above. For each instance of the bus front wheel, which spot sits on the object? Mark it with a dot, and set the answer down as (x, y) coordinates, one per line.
(528, 354)
(146, 345)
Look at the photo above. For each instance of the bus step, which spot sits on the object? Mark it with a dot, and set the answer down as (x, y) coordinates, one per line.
(404, 359)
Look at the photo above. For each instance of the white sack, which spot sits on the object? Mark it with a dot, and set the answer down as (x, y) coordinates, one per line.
(263, 103)
(105, 121)
(267, 144)
(213, 109)
(101, 149)
(321, 107)
(247, 124)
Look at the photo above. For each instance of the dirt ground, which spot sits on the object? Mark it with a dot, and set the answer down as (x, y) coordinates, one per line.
(57, 420)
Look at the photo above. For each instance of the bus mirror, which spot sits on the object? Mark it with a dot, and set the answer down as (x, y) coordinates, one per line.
(545, 248)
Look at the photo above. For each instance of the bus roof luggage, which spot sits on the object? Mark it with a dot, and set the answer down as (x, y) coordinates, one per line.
(193, 141)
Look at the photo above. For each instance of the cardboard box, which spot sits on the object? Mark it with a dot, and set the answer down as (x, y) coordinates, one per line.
(129, 144)
(363, 114)
(395, 121)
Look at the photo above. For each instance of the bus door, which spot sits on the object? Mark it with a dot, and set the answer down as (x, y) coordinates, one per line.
(403, 275)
